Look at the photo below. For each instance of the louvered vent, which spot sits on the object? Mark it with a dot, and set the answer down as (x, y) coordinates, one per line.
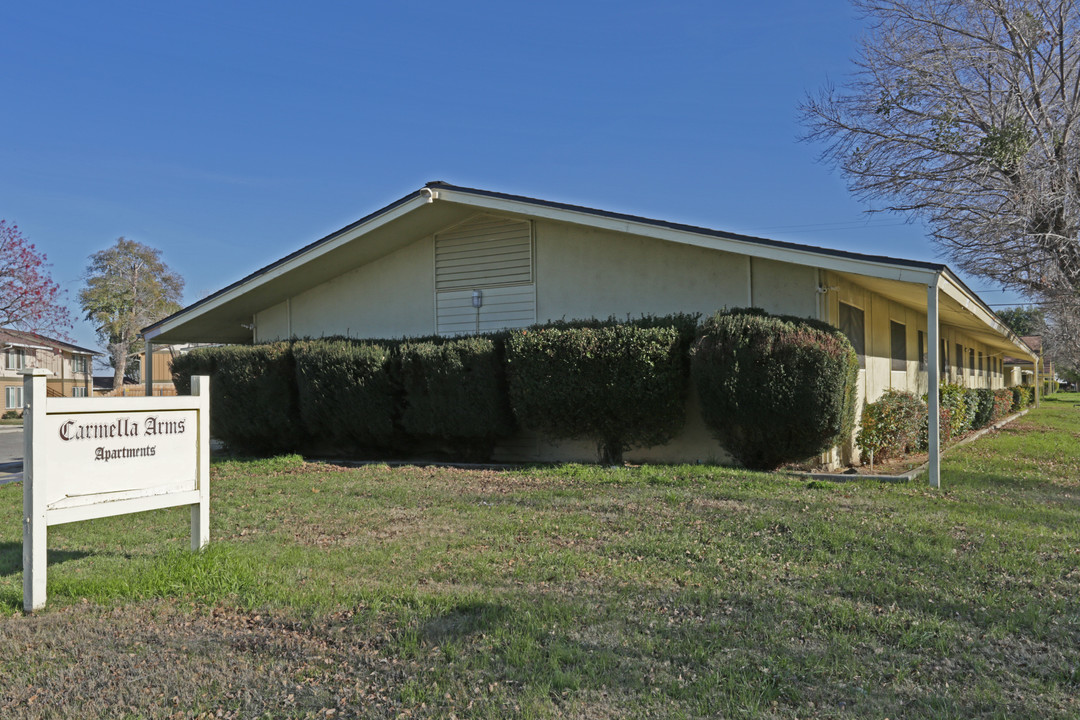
(482, 252)
(490, 254)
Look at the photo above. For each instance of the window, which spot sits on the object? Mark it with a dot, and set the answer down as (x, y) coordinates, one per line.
(78, 391)
(78, 364)
(852, 324)
(899, 345)
(13, 397)
(971, 361)
(944, 357)
(922, 350)
(980, 363)
(14, 360)
(959, 357)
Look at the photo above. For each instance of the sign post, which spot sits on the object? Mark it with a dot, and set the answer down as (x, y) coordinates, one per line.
(90, 458)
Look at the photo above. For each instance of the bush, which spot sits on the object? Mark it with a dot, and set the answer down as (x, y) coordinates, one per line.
(10, 415)
(892, 425)
(774, 389)
(455, 393)
(345, 392)
(1023, 396)
(956, 413)
(1003, 399)
(620, 385)
(253, 404)
(984, 408)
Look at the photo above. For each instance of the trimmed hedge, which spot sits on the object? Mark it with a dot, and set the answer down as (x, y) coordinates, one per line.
(1002, 402)
(774, 389)
(454, 392)
(252, 395)
(984, 409)
(619, 385)
(892, 425)
(346, 393)
(955, 411)
(1023, 395)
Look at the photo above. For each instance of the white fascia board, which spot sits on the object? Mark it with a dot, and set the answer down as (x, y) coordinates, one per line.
(808, 257)
(29, 347)
(293, 264)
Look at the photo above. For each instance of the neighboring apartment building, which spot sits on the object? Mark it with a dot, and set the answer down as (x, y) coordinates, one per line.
(71, 366)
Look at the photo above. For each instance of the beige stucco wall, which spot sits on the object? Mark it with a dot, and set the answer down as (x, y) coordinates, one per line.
(580, 273)
(584, 272)
(388, 298)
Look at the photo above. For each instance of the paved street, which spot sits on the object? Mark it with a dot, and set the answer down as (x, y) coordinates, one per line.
(11, 454)
(11, 449)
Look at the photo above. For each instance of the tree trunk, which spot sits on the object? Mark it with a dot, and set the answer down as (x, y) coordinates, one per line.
(119, 368)
(610, 452)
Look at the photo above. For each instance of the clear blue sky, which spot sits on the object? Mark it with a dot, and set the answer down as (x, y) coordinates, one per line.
(229, 134)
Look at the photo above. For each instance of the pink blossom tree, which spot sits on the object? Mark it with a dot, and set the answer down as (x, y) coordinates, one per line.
(29, 299)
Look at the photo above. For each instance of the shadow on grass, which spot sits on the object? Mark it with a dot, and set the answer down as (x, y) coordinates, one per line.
(11, 560)
(467, 618)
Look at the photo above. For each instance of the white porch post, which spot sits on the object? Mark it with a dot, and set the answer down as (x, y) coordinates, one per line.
(35, 546)
(148, 368)
(933, 377)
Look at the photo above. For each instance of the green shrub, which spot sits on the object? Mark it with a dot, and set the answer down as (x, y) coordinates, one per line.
(620, 385)
(956, 415)
(455, 393)
(10, 415)
(892, 425)
(253, 404)
(201, 361)
(1023, 395)
(345, 392)
(1003, 399)
(984, 408)
(774, 389)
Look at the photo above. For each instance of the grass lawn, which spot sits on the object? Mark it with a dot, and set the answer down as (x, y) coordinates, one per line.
(570, 591)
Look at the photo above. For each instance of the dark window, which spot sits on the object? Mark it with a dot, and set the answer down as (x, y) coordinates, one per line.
(944, 357)
(852, 325)
(959, 358)
(922, 350)
(899, 346)
(980, 363)
(971, 361)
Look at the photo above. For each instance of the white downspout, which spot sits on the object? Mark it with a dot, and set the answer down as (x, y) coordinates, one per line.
(933, 377)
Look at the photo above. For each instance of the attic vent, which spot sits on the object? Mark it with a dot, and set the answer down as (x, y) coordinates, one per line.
(491, 254)
(482, 252)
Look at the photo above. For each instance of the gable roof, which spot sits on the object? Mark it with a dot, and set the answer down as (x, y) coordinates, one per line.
(222, 316)
(27, 339)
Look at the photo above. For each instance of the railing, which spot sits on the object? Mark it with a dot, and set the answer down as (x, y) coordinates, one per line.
(138, 391)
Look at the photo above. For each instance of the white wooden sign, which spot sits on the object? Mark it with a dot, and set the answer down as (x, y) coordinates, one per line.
(89, 458)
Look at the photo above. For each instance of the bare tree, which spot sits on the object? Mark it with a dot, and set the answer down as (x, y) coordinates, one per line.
(965, 113)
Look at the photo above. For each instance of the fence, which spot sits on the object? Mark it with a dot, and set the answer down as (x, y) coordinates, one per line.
(138, 391)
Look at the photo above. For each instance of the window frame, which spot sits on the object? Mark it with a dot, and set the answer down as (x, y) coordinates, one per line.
(10, 363)
(860, 347)
(898, 346)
